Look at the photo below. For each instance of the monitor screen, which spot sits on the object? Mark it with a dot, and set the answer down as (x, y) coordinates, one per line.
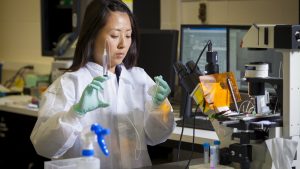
(158, 53)
(240, 56)
(195, 37)
(193, 40)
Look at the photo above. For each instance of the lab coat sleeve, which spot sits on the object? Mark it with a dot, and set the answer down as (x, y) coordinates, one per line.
(57, 127)
(159, 123)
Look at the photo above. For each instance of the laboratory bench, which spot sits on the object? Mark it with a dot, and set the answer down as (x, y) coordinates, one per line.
(194, 164)
(175, 165)
(16, 124)
(17, 120)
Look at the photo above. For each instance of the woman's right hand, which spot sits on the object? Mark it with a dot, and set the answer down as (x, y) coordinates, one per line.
(89, 99)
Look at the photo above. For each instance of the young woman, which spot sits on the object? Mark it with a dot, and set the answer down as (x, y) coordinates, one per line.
(128, 101)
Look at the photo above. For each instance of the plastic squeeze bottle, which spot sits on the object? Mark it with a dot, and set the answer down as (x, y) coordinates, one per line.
(88, 160)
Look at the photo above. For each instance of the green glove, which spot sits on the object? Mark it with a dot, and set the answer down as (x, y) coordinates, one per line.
(89, 99)
(162, 90)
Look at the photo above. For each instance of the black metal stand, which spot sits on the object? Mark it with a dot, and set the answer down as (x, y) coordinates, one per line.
(242, 152)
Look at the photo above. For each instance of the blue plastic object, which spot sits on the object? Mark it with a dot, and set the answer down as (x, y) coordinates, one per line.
(101, 132)
(87, 153)
(217, 142)
(206, 145)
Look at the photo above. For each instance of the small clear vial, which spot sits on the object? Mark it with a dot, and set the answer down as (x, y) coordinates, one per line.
(217, 144)
(106, 59)
(105, 62)
(213, 163)
(206, 153)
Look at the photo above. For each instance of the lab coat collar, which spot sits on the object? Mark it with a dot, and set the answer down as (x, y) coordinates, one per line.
(125, 75)
(96, 70)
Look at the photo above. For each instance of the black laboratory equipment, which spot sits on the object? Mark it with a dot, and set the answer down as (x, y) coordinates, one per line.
(212, 66)
(188, 76)
(193, 40)
(253, 130)
(248, 127)
(159, 47)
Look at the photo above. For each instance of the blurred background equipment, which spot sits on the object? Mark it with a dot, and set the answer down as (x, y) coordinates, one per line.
(16, 83)
(59, 67)
(61, 20)
(158, 52)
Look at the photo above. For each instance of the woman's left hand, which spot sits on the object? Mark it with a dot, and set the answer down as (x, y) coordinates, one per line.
(162, 90)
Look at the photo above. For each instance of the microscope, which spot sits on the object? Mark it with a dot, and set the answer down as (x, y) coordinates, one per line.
(245, 145)
(245, 137)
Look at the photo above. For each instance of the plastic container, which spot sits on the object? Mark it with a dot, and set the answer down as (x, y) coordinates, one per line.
(213, 163)
(87, 161)
(62, 164)
(74, 163)
(217, 144)
(206, 153)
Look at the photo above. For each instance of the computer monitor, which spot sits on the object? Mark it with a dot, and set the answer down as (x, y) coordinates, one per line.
(195, 37)
(240, 56)
(158, 53)
(193, 40)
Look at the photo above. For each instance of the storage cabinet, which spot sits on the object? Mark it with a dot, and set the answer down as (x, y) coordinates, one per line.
(15, 145)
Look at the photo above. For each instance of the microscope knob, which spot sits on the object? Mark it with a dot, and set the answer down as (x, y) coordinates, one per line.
(297, 36)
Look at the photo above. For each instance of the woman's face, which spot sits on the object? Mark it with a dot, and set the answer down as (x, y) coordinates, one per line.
(117, 34)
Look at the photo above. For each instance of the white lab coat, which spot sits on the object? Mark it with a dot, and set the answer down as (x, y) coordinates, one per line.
(131, 118)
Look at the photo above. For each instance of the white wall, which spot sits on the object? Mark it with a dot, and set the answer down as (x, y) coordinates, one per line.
(176, 12)
(20, 25)
(170, 14)
(20, 32)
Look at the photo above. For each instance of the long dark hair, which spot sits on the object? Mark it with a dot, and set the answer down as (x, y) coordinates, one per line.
(95, 18)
